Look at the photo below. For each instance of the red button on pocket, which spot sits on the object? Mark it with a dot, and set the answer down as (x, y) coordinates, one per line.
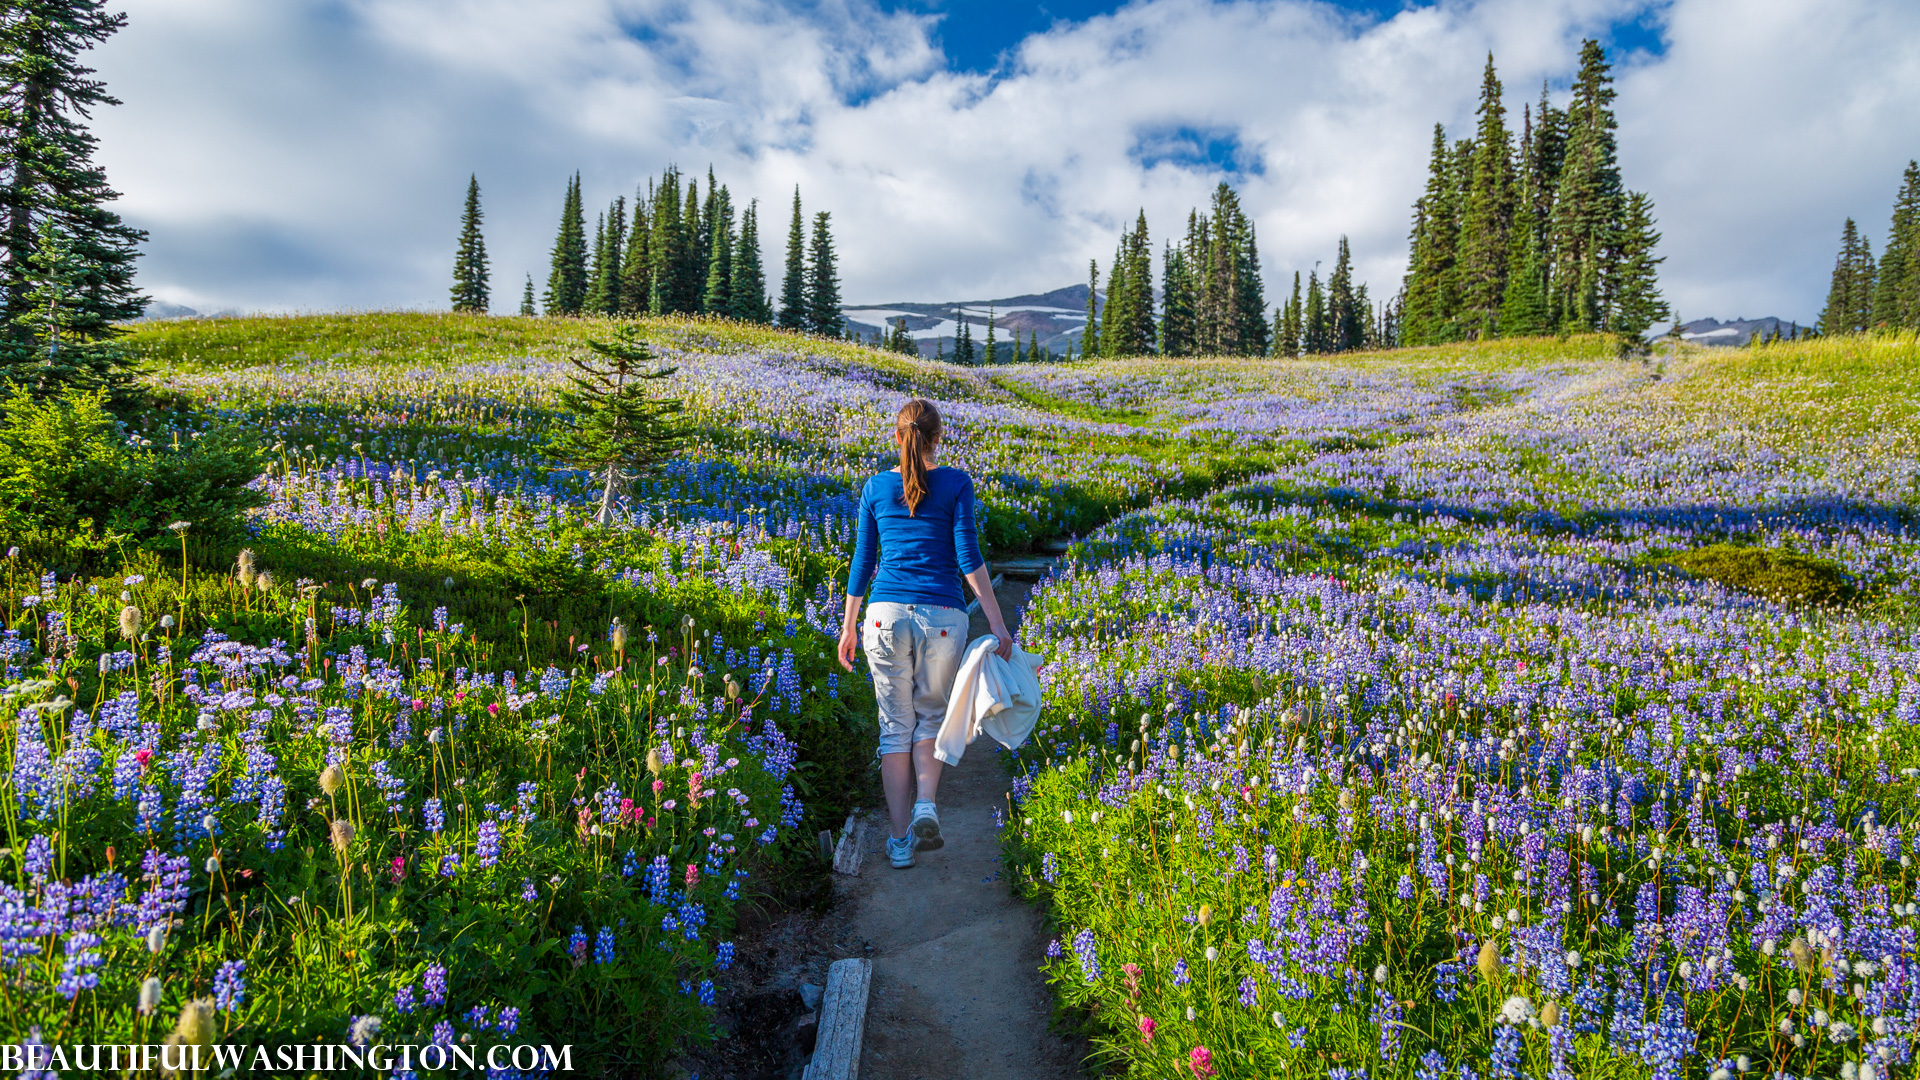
(876, 624)
(943, 633)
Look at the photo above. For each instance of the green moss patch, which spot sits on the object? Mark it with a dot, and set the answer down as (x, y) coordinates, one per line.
(1770, 572)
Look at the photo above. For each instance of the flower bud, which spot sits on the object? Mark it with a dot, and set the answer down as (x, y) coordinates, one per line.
(1206, 914)
(340, 834)
(332, 779)
(1550, 1015)
(149, 995)
(131, 622)
(195, 1026)
(157, 938)
(1489, 962)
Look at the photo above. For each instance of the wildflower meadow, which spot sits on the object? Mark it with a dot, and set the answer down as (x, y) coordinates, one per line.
(1475, 711)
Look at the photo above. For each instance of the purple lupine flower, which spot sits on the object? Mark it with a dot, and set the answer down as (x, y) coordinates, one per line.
(450, 864)
(403, 999)
(486, 846)
(528, 892)
(723, 958)
(706, 992)
(1180, 977)
(436, 819)
(603, 946)
(1084, 948)
(434, 982)
(230, 985)
(509, 1021)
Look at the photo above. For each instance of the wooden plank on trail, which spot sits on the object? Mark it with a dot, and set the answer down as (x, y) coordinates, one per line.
(846, 857)
(843, 1021)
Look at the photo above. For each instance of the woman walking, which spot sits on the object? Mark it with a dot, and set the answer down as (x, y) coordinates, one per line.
(914, 543)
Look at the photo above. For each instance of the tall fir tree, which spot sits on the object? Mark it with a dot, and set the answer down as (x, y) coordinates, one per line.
(823, 281)
(1317, 328)
(1849, 307)
(1346, 308)
(1523, 304)
(595, 303)
(1090, 335)
(793, 287)
(1590, 204)
(526, 299)
(636, 263)
(470, 258)
(1033, 347)
(1896, 298)
(1432, 295)
(567, 278)
(748, 299)
(48, 178)
(963, 351)
(1127, 328)
(1636, 299)
(1176, 305)
(1487, 217)
(609, 248)
(717, 298)
(991, 354)
(1230, 307)
(1287, 339)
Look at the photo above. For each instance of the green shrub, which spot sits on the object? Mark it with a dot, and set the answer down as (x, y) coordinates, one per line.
(1770, 572)
(77, 479)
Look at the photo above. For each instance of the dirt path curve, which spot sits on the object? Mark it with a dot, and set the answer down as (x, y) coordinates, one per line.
(957, 993)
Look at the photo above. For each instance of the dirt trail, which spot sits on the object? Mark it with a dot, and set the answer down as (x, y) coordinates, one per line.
(957, 993)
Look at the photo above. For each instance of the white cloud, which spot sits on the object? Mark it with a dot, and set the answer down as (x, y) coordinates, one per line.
(309, 154)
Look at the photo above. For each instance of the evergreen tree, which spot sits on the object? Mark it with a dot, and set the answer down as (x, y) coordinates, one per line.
(1317, 329)
(992, 353)
(1487, 217)
(1590, 203)
(690, 272)
(470, 259)
(793, 288)
(1849, 307)
(1090, 336)
(748, 299)
(823, 281)
(636, 264)
(619, 432)
(1291, 325)
(48, 176)
(963, 352)
(1230, 307)
(1430, 285)
(718, 297)
(567, 280)
(1127, 325)
(1636, 295)
(1176, 318)
(1033, 347)
(526, 299)
(1346, 309)
(1896, 298)
(677, 275)
(595, 303)
(1523, 304)
(1019, 350)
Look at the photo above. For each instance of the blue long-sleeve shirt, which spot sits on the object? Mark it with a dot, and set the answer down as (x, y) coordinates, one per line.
(918, 558)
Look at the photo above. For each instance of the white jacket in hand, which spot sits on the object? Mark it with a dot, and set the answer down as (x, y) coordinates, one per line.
(999, 697)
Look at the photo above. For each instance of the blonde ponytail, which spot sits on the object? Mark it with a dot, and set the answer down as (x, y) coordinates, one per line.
(918, 428)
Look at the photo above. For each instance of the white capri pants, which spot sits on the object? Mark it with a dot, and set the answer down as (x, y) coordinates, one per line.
(914, 652)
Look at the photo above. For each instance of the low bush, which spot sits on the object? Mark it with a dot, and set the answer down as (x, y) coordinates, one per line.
(75, 479)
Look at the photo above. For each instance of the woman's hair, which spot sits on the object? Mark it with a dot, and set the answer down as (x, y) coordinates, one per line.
(918, 427)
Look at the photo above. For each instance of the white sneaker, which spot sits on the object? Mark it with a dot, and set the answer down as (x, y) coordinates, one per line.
(900, 852)
(926, 827)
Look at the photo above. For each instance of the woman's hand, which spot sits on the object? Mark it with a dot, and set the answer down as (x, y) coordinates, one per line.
(850, 632)
(1005, 650)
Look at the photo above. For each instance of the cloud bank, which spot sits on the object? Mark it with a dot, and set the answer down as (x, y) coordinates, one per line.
(312, 154)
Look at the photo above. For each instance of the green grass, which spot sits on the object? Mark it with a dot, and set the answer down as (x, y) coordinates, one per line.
(1769, 572)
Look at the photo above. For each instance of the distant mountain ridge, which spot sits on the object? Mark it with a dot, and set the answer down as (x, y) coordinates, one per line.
(1056, 319)
(1737, 332)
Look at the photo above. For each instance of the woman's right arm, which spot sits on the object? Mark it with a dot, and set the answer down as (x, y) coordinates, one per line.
(866, 548)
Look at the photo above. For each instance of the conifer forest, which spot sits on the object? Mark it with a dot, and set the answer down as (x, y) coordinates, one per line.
(1452, 677)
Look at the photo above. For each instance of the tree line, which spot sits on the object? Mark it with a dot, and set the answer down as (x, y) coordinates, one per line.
(676, 253)
(1538, 238)
(1865, 295)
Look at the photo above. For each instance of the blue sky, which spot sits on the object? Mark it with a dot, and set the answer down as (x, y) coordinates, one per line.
(979, 35)
(312, 154)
